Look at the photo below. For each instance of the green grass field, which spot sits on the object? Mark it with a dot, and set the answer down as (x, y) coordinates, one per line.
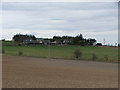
(65, 51)
(9, 43)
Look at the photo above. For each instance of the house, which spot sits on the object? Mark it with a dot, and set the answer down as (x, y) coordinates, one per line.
(59, 42)
(94, 44)
(46, 41)
(99, 44)
(53, 42)
(40, 40)
(67, 41)
(31, 42)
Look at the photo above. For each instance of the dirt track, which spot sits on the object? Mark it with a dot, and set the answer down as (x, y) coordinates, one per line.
(29, 72)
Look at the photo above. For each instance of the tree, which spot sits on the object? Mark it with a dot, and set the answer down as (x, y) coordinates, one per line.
(78, 40)
(91, 41)
(21, 38)
(77, 53)
(67, 39)
(58, 39)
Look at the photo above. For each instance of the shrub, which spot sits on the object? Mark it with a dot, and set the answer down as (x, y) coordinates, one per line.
(77, 53)
(20, 53)
(94, 57)
(106, 58)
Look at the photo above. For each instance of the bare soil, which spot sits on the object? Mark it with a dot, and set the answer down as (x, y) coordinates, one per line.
(30, 72)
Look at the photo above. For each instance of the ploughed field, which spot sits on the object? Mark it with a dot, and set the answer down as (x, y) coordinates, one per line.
(33, 72)
(109, 54)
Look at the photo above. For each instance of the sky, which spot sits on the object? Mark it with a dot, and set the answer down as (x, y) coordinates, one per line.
(97, 20)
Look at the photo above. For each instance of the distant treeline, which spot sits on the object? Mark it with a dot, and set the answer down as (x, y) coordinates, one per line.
(22, 38)
(77, 40)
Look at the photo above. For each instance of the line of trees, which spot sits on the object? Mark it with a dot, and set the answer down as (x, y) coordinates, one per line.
(77, 40)
(21, 38)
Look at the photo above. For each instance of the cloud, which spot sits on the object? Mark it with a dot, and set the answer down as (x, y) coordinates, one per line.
(48, 19)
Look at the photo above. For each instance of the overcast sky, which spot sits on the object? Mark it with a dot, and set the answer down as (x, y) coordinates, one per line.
(93, 20)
